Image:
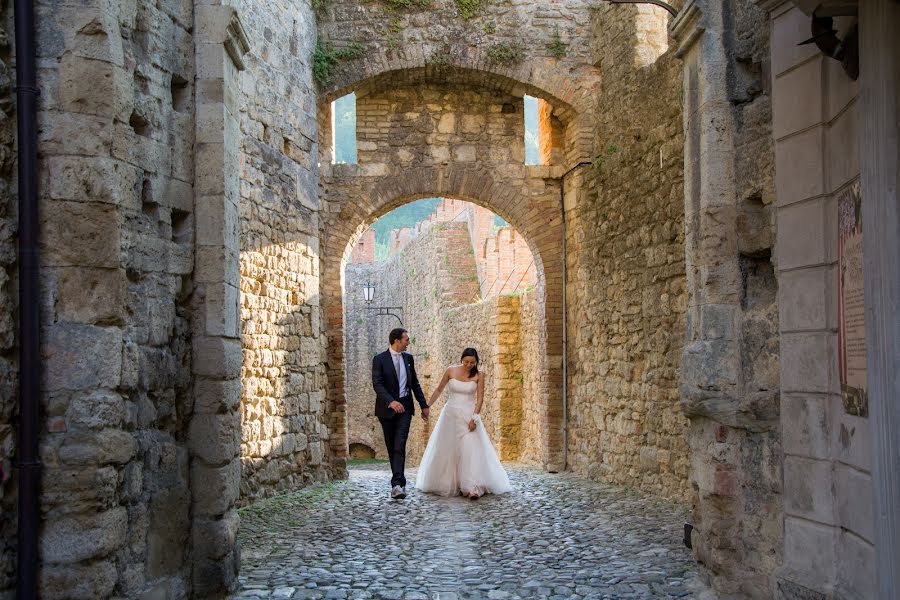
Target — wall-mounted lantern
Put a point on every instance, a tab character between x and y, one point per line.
842	46
382	311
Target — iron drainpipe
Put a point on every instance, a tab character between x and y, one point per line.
565	321
28	464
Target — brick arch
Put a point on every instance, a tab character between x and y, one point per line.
539	222
569	90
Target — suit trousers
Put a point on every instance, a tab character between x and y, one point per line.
396	432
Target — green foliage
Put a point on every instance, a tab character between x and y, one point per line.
468	8
318	4
556	46
490	28
598	161
358	462
438	58
326	58
405	216
407	4
505	53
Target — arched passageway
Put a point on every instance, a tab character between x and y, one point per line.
480	190
455	276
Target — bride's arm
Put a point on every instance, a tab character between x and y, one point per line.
440	388
479	399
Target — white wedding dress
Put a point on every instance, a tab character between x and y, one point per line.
457	460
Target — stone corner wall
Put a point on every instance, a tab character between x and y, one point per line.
116	257
730	382
285	438
8	303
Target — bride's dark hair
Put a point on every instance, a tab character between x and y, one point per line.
471	352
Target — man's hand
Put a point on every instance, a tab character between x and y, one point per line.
397	407
425	412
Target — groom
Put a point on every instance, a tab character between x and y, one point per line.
394	379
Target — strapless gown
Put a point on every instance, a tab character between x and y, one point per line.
457	460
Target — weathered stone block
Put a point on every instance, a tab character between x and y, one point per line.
215	396
806	418
78	582
93	296
168	532
82	234
215	538
799	536
808	489
217	357
215	438
96	409
95	87
79	538
110	446
82	357
215	489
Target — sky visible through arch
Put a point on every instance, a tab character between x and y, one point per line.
408	215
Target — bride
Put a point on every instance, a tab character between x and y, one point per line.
459	457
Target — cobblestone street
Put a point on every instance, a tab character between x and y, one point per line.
554	536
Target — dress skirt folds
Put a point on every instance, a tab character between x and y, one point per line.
457	460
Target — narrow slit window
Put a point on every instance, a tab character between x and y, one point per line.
343	129
532	132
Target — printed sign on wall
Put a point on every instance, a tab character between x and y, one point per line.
851	303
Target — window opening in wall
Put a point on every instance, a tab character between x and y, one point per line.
343	130
532	132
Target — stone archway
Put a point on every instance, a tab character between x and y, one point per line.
540	223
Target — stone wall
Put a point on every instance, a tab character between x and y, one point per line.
434	280
284	436
828	490
428	73
117	227
730	386
627	281
8	303
534	374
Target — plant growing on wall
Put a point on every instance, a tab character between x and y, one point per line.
505	53
556	46
326	58
598	161
407	4
468	8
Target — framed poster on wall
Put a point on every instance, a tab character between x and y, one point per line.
851	303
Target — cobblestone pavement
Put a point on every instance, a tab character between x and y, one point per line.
554	536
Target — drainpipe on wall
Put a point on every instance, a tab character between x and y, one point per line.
565	321
28	464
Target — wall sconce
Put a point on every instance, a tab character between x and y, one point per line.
825	36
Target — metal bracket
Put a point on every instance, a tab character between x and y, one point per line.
387	311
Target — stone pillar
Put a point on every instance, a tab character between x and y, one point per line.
729	383
880	159
214	436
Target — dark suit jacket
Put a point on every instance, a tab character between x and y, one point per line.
387	386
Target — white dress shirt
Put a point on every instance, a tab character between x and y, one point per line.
400	367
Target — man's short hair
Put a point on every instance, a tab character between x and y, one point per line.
396	334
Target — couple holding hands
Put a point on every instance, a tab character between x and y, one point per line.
459	457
